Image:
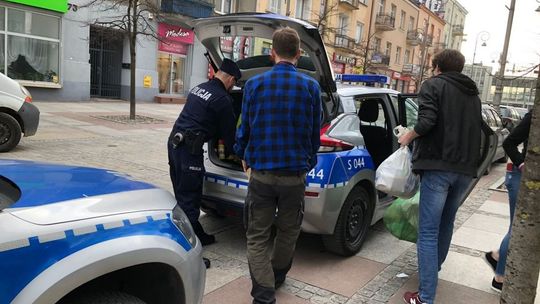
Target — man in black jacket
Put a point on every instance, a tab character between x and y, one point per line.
446	154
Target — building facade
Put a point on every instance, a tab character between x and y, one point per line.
482	75
64	50
454	14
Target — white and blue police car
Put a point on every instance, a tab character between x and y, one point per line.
84	235
341	201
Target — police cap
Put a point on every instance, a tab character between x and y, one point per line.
230	67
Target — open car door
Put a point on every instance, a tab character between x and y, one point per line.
407	106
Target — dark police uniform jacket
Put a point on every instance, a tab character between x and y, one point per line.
209	109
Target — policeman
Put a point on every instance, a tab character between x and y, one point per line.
207	114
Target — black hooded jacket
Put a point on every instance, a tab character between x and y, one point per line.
449	125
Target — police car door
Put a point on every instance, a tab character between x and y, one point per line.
407	112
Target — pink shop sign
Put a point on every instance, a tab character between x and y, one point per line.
174	39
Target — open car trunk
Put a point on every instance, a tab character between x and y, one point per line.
330	111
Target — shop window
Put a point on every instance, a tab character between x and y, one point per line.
30	48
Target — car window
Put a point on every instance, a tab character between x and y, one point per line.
381	117
251	52
488	117
411	110
348	124
498	121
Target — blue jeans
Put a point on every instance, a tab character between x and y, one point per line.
440	198
512	182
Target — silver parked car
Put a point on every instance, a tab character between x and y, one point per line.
341	201
18	115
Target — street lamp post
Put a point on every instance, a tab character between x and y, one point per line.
484	36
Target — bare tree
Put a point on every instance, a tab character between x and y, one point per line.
133	19
523	263
322	19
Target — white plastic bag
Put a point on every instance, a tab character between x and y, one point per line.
395	176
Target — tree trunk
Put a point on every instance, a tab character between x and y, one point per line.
523	262
133	56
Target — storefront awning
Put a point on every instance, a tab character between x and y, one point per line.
51	5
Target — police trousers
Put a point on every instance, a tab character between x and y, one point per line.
272	200
187	174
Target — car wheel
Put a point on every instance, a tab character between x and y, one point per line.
107	297
352	225
10	132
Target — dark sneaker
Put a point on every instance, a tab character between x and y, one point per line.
488	257
496	285
205	238
412	298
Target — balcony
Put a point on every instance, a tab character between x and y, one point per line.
350	4
385	22
379	59
414	37
191	8
344	42
457	30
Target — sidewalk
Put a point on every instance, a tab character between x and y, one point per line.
77	133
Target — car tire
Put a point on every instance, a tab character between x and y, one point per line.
107	297
10	132
352	225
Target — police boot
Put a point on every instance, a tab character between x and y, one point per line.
206	239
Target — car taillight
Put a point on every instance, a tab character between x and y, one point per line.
329	144
28	99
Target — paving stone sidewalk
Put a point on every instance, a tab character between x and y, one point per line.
77	133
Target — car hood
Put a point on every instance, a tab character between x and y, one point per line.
11	87
209	30
51	193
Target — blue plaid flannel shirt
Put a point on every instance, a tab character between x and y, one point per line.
280	120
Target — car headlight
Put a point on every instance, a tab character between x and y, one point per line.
182	222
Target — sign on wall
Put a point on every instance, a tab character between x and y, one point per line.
52	5
174	39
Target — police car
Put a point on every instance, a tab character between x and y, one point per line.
84	235
341	201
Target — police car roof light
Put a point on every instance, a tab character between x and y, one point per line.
367	78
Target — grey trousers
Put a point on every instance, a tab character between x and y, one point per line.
279	200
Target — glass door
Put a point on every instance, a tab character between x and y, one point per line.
171	73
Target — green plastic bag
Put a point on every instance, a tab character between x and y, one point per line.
401	218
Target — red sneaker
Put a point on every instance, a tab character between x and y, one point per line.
412	298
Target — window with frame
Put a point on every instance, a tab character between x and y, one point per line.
303	9
393	10
402	20
29	45
363	2
411	25
223	6
359	32
406	57
343	24
275	6
380	7
377	43
388	50
398	54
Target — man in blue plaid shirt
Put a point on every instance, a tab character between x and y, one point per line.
278	140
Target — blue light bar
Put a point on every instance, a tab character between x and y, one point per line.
368	78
